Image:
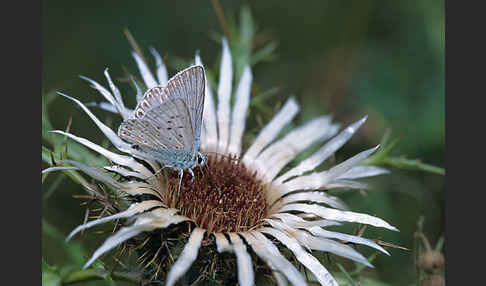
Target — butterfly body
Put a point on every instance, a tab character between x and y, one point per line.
177	160
166	124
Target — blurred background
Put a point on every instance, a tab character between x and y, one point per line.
384	59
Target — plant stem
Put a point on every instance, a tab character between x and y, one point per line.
221	18
99	274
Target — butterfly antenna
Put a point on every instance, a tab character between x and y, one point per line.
155	174
226	156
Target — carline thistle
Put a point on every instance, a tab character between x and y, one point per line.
262	212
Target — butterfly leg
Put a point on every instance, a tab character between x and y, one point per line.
181	173
192	174
203	161
201	169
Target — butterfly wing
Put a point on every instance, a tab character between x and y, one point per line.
164	131
187	85
154	97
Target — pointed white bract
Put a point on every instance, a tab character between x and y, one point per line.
131	211
53	169
118	99
298	210
209	136
139	94
187	257
240	109
160	219
114	157
103	106
276	156
246	275
271	130
222	244
319	181
363	172
309	261
334	214
106	94
298	222
269	253
224	97
130	187
114	139
162	75
317	231
147	76
318	197
124	172
317	243
345	184
323	153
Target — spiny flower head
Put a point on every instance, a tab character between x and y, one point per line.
242	202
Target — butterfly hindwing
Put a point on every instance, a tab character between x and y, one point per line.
166	127
152	98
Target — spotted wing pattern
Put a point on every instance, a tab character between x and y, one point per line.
165	132
189	85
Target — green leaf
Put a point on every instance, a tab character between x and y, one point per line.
346	274
61	143
382	157
385	149
72	174
247	28
53	187
74	250
360	267
439	244
413	164
360	280
50	275
264	54
372	282
98	272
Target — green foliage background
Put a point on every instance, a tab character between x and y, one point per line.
345	58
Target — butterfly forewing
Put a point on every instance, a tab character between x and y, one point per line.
189	84
167	126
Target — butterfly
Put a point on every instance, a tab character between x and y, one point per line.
166	123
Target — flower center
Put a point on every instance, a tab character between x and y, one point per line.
224	196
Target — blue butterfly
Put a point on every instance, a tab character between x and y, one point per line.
166	124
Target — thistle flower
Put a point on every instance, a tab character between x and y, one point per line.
242	202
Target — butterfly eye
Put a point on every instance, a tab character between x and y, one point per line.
201	159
